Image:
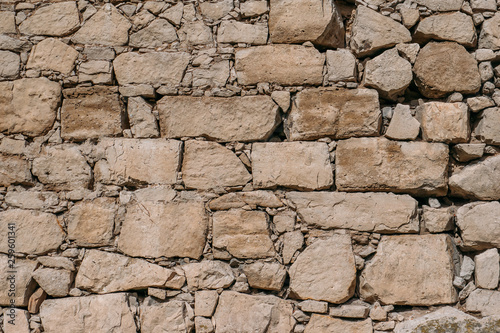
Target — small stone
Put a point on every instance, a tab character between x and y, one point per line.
9	65
441	6
292	242
238	32
265	275
282	98
403	126
14	170
321	323
486	302
203	325
55	282
459	282
175	315
465	152
438	219
57	262
350	311
479	103
456	27
253	8
57	19
313	306
487	269
483	5
378	313
487	128
341	65
174	13
142	120
284	221
52	54
479	180
156	34
216	10
208	275
7	22
145	90
205	302
157	293
36	300
467	268
410	16
444	122
408	51
241	199
215	76
195	33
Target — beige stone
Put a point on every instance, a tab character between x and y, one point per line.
282	64
479	225
216	10
403	126
370	164
23	281
373	212
195	33
45	201
239	32
249	118
341	65
489	38
477	181
311	20
443	68
265	275
300	165
326	324
14	44
58	19
444	122
12	146
205	302
141	118
325	271
9	65
208	274
14	170
411	270
438	219
241	199
208	165
409	51
487	272
57	262
334	113
456	27
441	6
203	325
244	234
156	34
7	22
465	152
55	282
350	311
409	16
253	8
313	306
173	316
174	13
15	321
487	128
52	54
486	302
215	75
292	242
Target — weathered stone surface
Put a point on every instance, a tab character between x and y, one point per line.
253	8
107	27
62	167
14	170
52	54
480	180
7	22
172	229
292	241
290	164
313	306
282	64
195	33
403	126
241	199
411	270
246	313
239	32
88	314
487	128
208	275
24	283
173	316
465	152
326	324
203	325
372	31
441	6
55	282
487	302
208	165
14	44
20	324
142	120
154	35
215	75
389	74
489	38
444	122
456	27
216	10
244	234
265	275
438	219
479	225
9	65
483	5
250	118
57	262
45	201
341	65
442	68
138	161
350	311
335	113
152	68
487	269
374	212
58	19
370	164
205	302
36	232
28	106
325	271
310	20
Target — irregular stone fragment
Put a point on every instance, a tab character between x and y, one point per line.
45	201
106	27
409	16
154	35
58	19
142	120
203	325
173	316
138	161
465	152
14	170
241	199
54	55
442	6
325	324
36	232
292	242
55	282
299	165
208	165
239	32
314	306
23	281
325	271
487	269
244	234
247	313
479	225
487	128
311	20
369	164
11	146
443	68
373	212
489	38
438	219
195	33
403	126
350	311
372	31
284	221
287	65
9	65
341	65
28	106
215	76
208	275
456	27
174	13
479	103
265	275
249	118
205	302
487	302
14	44
253	8
97	71
483	5
411	270
7	22
15	321
444	122
57	262
335	113
282	98
479	180
152	68
66	314
216	10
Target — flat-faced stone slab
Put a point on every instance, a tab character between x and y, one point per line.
479	224
53	55
489	38
444	122
23	280
456	27
241	199
208	274
487	129
58	19
171	316
486	302
14	170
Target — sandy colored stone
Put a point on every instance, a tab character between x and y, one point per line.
441	6
438	219
216	10
28	106
24	283
316	21
173	316
239	32
373	212
313	306
487	129
15	321
489	38
106	27
327	324
243	234
142	120
486	302
292	242
58	19
265	275
88	314
208	274
479	225
456	27
479	180
443	68
350	311
45	201
411	270
195	33
465	152
249	118
57	262
253	8
282	64
150	68
444	122
174	13
9	65
370	164
138	161
487	269
241	199
156	34
14	44
403	125
409	16
205	302
7	22
55	282
299	165
208	165
52	54
215	75
14	170
325	271
334	113
341	65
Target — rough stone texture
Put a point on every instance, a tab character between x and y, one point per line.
403	126
216	10
372	31
486	302
341	65
350	311
444	122
251	118
142	120
438	219
19	325
25	285
465	152
265	275
487	271
310	20
45	201
205	302
443	68
325	271
374	212
58	19
456	27
282	64
325	324
238	32
480	180
486	129
489	38
371	164
313	306
241	199
52	54
253	8
7	23
28	106
173	316
479	225
291	165
9	65
215	76
292	241
441	6
208	275
335	113
55	282
154	35
411	270
14	170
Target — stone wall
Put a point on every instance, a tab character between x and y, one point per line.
249	166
